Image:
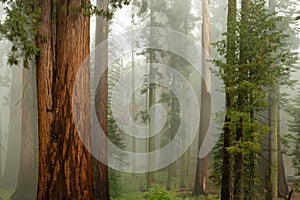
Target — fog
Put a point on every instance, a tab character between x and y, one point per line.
18	108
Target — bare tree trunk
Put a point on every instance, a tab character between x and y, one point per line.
12	163
283	189
202	163
26	187
227	169
1	150
172	166
150	175
133	105
169	177
273	145
65	166
100	170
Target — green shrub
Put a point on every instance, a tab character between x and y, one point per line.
157	193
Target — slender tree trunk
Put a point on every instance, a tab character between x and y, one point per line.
100	170
184	159
1	149
202	163
273	145
239	162
65	166
274	138
133	104
150	175
239	168
227	169
26	187
188	155
283	189
12	163
183	170
169	177
250	189
172	166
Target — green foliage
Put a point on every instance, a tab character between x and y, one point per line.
294	137
173	117
22	24
89	9
114	136
260	59
5	193
114	185
216	174
20	27
209	197
157	193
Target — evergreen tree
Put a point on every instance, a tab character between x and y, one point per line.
257	55
294	136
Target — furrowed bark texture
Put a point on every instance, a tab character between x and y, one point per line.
64	163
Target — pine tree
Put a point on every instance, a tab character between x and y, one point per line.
257	56
294	136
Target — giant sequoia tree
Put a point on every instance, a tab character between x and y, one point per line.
26	185
56	33
64	163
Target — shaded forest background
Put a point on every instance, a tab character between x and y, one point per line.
27	174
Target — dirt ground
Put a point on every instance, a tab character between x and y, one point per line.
296	196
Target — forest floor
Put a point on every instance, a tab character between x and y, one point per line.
296	196
5	193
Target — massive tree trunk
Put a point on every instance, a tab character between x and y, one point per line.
14	138
100	170
64	163
26	187
202	163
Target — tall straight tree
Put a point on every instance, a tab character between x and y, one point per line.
259	61
57	34
202	163
64	163
226	191
242	98
26	185
277	181
273	134
151	141
1	149
100	170
12	163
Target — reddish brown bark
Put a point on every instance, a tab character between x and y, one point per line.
100	170
202	164
64	163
